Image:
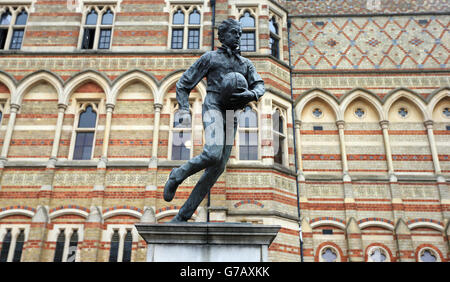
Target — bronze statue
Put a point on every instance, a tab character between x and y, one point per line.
232	82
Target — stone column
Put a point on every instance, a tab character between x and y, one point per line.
298	146
109	111
341	125
157	107
14	108
434	154
387	146
59	123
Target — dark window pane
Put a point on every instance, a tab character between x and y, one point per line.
248	41
248	118
127	247
177	123
178	17
179	149
88	38
22	18
19	246
194	17
59	248
273	26
194	38
247	20
73	246
274	47
105	39
87	118
114	250
5	246
3	34
248	146
16	40
177	39
278	142
108	18
83	146
6	18
91	18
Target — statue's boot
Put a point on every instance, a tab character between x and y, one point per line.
171	186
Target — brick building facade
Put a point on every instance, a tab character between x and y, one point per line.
348	150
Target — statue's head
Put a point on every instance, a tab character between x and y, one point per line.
230	32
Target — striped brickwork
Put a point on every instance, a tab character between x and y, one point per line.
372	162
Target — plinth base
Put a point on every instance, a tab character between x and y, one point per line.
207	242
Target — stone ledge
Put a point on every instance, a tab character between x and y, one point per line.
208	233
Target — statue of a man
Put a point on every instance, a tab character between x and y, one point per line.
214	65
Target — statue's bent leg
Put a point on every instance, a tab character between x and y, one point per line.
213	118
205	183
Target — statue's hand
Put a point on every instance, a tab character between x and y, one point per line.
242	97
184	118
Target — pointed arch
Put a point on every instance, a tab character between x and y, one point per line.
436	97
310	94
366	95
170	80
79	79
9	81
28	81
131	76
410	95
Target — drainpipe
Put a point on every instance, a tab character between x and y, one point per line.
295	146
212	3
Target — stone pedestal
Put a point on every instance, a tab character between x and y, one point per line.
207	242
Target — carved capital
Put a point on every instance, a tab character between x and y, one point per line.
384	124
340	124
157	106
62	107
110	106
428	124
298	123
14	107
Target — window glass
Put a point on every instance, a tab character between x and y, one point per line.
87	118
177	39
193	38
428	256
127	247
16	40
378	255
91	18
73	246
329	255
105	39
194	17
178	17
59	248
22	18
5	246
83	146
248	43
107	18
5	18
247	20
114	250
19	246
180	148
248	118
273	26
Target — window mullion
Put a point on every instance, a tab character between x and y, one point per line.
12	246
122	234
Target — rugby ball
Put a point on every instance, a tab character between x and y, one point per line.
232	82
